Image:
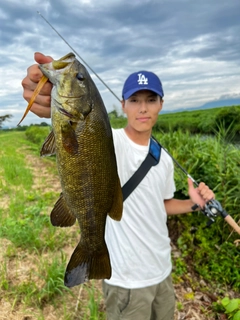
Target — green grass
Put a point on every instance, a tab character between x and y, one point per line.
33	261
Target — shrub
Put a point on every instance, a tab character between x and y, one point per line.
37	134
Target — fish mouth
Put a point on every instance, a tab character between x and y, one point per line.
65	113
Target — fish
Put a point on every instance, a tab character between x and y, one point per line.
81	139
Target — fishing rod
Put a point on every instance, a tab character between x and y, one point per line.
212	208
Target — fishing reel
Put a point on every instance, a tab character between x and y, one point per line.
212	209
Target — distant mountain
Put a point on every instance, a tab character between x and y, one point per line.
209	105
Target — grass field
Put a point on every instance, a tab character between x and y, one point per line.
34	254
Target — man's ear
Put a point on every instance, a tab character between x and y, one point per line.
123	105
161	102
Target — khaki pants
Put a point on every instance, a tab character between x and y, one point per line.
151	303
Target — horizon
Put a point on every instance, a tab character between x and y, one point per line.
201	108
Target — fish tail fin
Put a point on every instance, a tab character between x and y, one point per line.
84	266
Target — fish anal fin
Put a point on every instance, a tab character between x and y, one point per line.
85	265
49	146
117	206
61	216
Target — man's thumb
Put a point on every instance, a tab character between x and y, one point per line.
41	58
190	183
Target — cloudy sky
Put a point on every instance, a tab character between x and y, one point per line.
192	45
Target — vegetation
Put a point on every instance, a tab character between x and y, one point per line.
210	250
34	254
37	134
200	121
232	308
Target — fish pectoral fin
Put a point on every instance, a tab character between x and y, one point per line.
49	146
69	138
117	206
61	216
85	265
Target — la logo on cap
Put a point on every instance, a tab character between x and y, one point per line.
142	79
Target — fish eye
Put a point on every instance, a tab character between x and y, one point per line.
80	76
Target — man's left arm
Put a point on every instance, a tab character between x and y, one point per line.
198	196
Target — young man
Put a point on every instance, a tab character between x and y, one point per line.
141	286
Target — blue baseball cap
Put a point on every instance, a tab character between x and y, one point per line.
142	80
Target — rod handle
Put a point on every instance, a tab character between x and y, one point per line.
232	223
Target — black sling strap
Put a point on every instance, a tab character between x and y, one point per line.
152	159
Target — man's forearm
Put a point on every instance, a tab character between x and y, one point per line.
176	206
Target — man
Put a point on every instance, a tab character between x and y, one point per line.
141	286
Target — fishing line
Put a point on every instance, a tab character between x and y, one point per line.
213	208
78	55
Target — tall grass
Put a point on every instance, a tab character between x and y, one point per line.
214	161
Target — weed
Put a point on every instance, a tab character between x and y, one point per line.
180	306
179	266
231	307
52	272
4	285
92	310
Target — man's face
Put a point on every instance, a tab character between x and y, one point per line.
142	110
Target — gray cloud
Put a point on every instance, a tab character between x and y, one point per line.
192	45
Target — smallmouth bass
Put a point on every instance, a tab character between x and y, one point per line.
81	138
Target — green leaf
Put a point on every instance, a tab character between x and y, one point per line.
233	305
237	316
225	301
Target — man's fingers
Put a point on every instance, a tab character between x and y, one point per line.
30	86
40	111
41	58
206	193
41	98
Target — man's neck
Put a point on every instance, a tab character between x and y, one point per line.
141	138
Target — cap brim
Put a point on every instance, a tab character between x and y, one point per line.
128	94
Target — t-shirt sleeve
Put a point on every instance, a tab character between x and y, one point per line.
170	184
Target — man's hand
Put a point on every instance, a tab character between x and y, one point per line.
200	195
41	106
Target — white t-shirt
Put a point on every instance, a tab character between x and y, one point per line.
139	245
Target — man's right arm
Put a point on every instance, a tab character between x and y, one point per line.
41	106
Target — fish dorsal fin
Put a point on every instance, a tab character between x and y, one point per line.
117	206
61	216
49	146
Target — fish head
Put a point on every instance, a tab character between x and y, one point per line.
71	86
